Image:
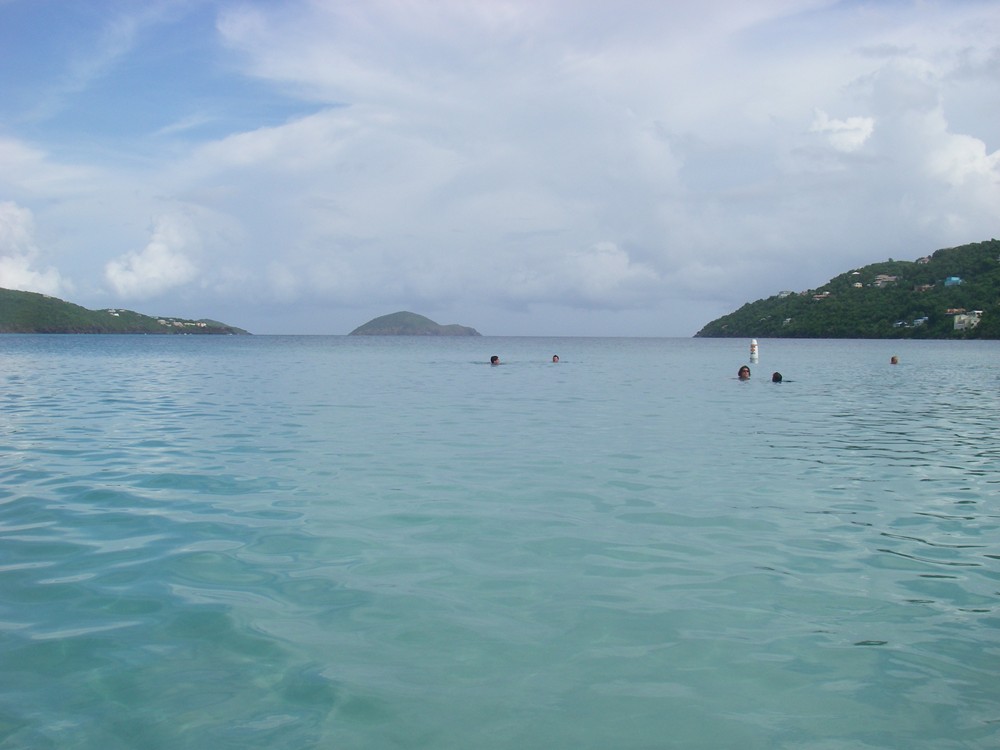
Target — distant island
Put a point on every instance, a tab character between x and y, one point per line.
30	312
410	324
952	294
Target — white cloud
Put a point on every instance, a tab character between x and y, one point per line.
161	266
29	171
520	153
19	255
518	156
961	159
844	135
602	275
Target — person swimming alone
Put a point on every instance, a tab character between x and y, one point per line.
744	373
494	360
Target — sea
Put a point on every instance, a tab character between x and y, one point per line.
344	542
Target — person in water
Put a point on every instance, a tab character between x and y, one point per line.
894	360
555	357
494	360
744	373
776	377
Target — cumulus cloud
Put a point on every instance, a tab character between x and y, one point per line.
601	275
471	150
844	135
161	266
19	255
937	173
522	155
960	159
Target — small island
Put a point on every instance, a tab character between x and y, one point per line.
31	312
410	324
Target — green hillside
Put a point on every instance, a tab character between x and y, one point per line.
30	312
952	294
410	324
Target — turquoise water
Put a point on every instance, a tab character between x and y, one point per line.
337	542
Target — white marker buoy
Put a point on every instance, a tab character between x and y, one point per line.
753	350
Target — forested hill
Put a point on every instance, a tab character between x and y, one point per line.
30	312
952	294
410	324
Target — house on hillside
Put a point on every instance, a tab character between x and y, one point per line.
965	321
952	281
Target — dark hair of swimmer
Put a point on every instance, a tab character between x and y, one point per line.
494	360
776	377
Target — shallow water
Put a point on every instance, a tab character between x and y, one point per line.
291	542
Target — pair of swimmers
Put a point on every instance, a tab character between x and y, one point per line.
744	371
744	374
495	360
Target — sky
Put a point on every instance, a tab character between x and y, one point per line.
524	167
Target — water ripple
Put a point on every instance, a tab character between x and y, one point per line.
291	543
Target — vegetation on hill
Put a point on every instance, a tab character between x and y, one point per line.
30	312
410	324
952	294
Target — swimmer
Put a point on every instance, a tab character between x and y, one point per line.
894	360
776	377
744	373
494	360
555	357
